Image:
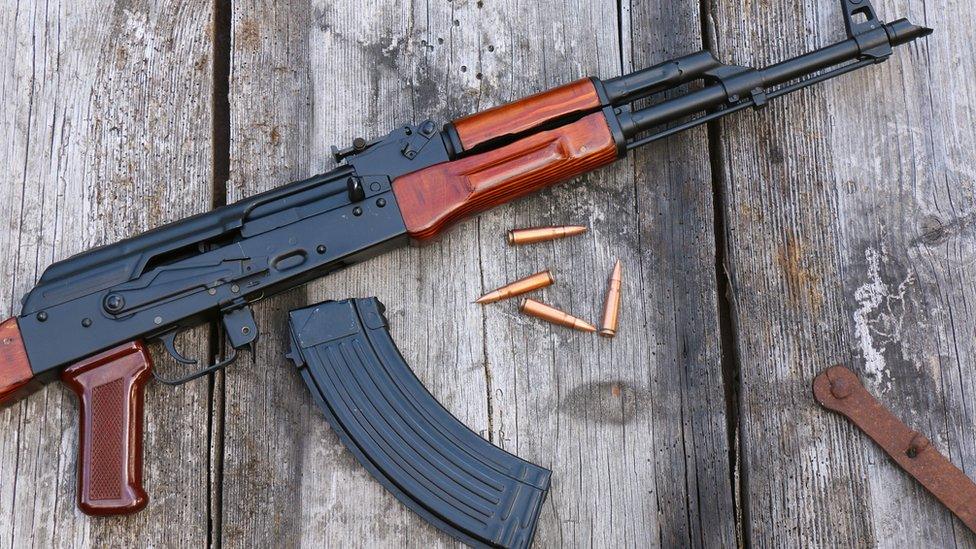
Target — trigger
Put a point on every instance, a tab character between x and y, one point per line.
169	342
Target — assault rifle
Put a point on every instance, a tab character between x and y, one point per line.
101	306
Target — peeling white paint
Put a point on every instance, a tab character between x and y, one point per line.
139	31
879	317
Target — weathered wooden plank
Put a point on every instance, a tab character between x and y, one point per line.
106	109
306	76
676	251
849	210
555	396
633	428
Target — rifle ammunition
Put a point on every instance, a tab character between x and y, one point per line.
532	307
519	287
611	307
541	234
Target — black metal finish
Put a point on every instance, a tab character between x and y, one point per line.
633	86
215	264
443	471
733	88
745	104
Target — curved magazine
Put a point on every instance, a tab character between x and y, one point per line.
430	461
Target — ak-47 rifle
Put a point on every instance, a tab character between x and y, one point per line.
102	305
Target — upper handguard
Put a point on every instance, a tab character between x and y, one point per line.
440	469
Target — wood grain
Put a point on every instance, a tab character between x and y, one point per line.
666	359
849	210
526	113
106	119
15	370
307	76
266	427
291	102
437	197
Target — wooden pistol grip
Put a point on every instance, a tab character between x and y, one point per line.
16	378
110	393
527	113
433	198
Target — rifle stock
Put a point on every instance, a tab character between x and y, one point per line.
16	377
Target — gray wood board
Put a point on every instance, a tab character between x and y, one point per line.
634	429
850	213
106	113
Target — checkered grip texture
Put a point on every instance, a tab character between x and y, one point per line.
110	386
107	450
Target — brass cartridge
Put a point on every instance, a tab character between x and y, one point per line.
550	314
519	287
611	307
541	234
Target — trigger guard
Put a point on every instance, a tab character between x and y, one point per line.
169	342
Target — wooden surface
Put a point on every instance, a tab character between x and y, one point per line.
835	226
106	113
849	216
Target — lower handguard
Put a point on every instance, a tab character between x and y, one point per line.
440	469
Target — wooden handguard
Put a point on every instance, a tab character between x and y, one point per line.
523	115
110	393
432	199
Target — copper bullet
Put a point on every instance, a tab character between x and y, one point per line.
540	234
550	314
611	307
519	287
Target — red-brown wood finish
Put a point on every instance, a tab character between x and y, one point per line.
433	198
110	393
16	377
525	114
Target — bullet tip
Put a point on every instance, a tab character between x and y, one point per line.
617	270
490	297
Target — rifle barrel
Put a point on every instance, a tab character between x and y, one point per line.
728	94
